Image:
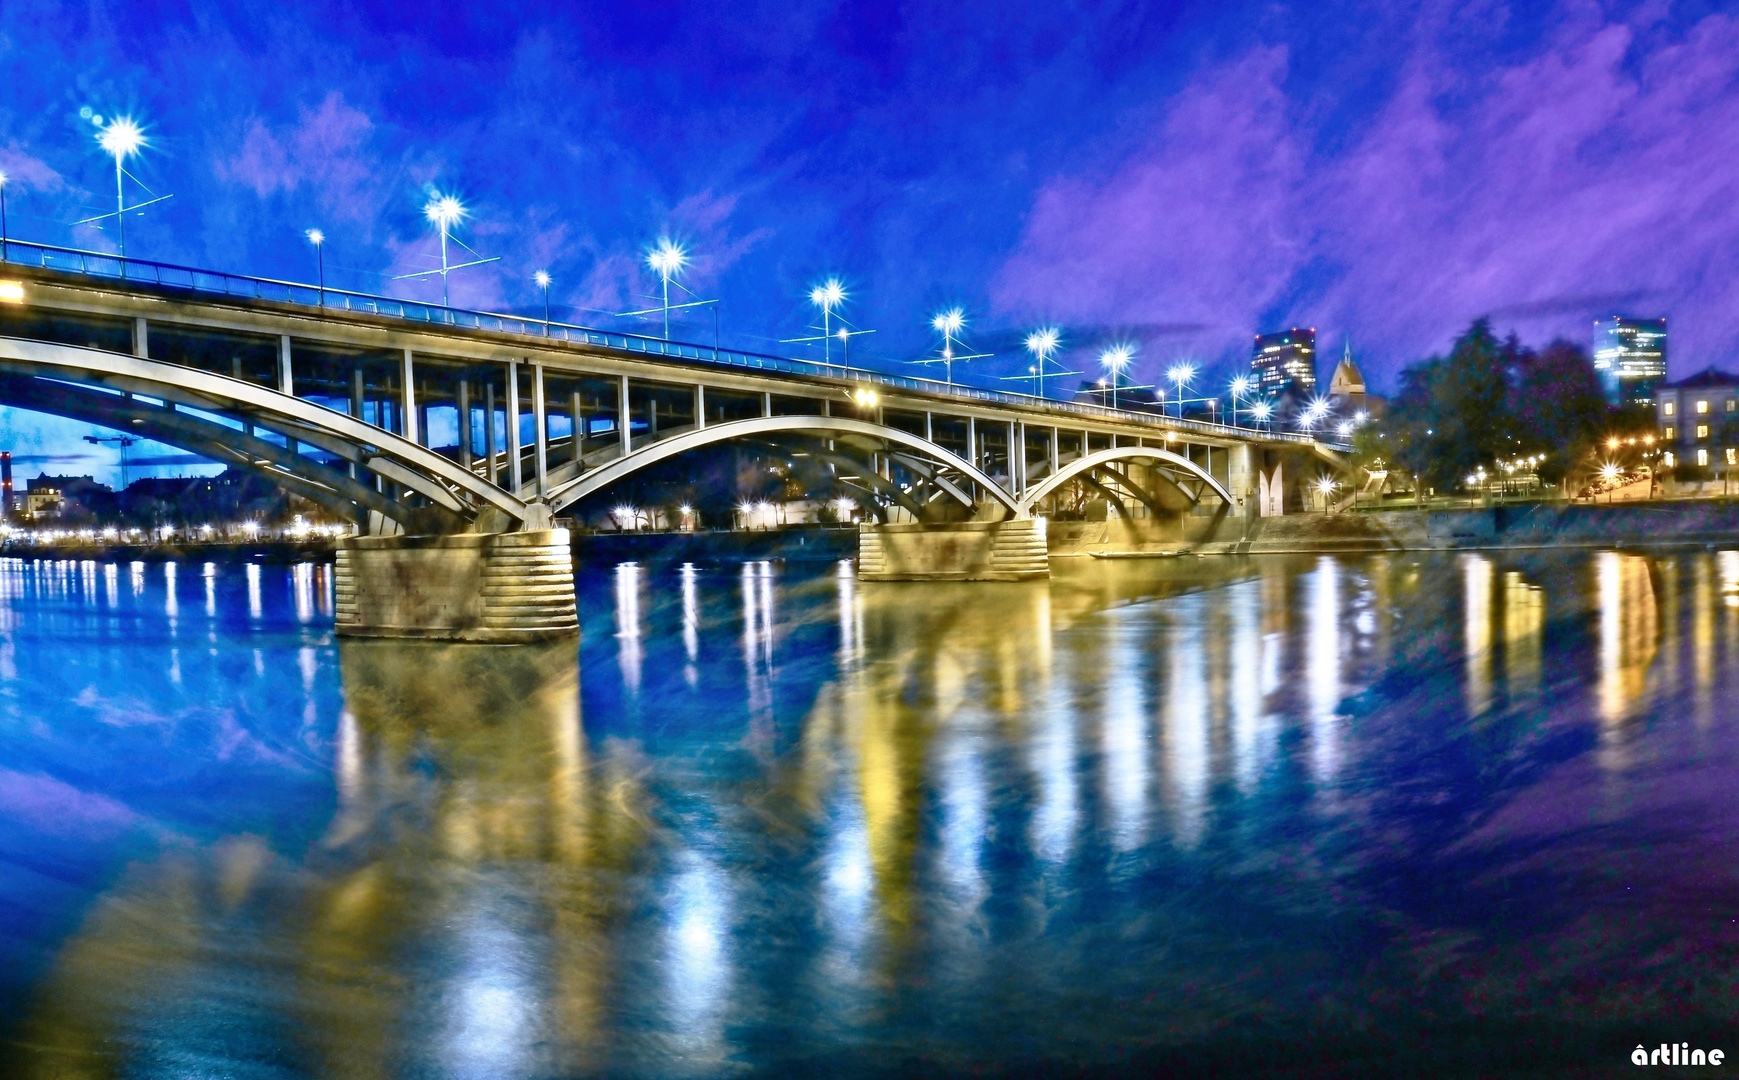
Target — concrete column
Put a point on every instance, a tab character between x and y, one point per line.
489	431
356	391
624	422
141	338
515	472
1056	450
767	403
410	425
540	457
929	428
699	406
465	423
286	377
1016	457
1241	478
972	441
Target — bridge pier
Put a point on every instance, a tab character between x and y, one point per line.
501	588
1012	550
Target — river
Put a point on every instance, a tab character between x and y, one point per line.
1405	814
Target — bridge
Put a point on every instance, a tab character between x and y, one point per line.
460	442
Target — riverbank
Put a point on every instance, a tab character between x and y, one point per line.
270	551
1540	525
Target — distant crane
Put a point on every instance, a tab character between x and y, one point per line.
123	441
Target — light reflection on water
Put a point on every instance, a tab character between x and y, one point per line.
776	815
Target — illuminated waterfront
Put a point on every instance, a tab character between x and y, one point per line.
1231	811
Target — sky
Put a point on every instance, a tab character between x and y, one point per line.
1176	175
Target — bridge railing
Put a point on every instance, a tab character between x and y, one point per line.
218	283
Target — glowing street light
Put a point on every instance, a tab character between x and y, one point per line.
444	212
542	279
120	137
949	323
1042	343
318	239
667	259
1115	360
827	296
1240	388
1180	375
1262	411
3	179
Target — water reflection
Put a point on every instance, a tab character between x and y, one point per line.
792	818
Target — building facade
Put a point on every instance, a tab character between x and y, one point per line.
1699	419
1283	358
1630	356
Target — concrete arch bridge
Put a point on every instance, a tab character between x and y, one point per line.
443	430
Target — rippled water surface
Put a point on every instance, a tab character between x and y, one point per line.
1462	814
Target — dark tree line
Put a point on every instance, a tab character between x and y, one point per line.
1493	399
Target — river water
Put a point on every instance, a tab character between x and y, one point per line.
1390	815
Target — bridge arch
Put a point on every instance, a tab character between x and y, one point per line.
620	468
164	401
1084	465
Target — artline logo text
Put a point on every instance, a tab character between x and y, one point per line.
1674	1054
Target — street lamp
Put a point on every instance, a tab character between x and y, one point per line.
1042	343
827	296
1180	376
948	323
668	259
120	138
1261	411
444	211
1115	359
318	239
3	179
1240	387
542	279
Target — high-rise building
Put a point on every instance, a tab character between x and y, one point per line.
1630	356
1282	358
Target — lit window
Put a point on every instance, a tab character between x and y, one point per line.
1671	431
1732	456
1702	457
1667	409
1702	431
1670	462
1732	404
1702	406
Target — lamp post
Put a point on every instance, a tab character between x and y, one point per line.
1240	387
827	296
1180	376
948	323
121	139
1041	343
318	239
668	259
444	211
1115	359
3	179
542	278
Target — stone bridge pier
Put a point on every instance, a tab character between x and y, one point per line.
504	588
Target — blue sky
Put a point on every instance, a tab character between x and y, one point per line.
1180	175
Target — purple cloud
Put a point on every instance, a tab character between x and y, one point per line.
1597	169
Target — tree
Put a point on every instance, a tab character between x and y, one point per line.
1453	413
1559	408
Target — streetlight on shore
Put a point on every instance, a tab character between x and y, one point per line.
1180	376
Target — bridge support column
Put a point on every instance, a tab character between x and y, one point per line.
1011	550
1241	482
488	587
